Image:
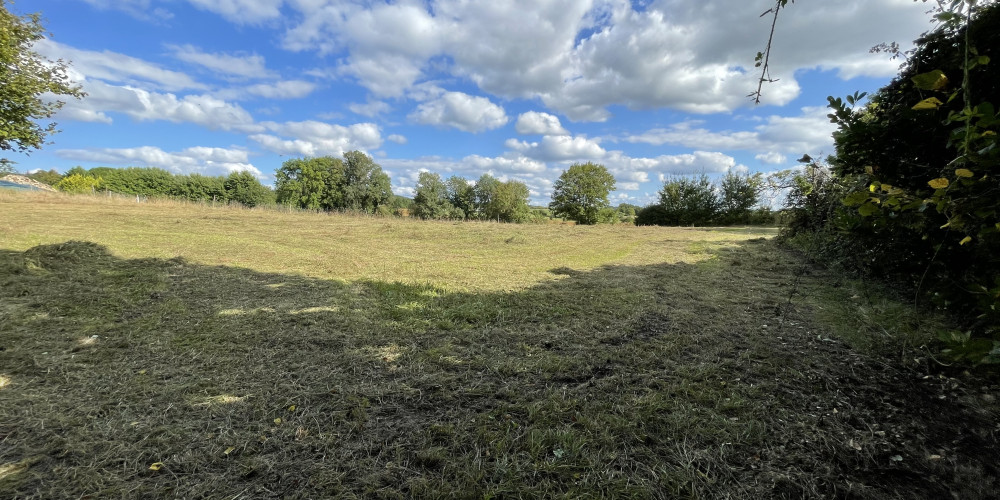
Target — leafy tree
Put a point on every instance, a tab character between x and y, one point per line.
25	76
311	183
510	202
582	192
78	184
689	201
739	194
483	194
431	200
243	188
6	167
461	194
365	186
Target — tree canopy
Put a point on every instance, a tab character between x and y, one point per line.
581	192
328	183
25	77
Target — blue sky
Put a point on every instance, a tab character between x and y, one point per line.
519	89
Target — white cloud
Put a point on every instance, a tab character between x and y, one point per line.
115	67
810	132
534	122
288	89
202	160
207	111
398	139
508	164
462	111
242	11
582	57
244	66
772	158
313	138
559	147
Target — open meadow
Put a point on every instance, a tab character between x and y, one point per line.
172	350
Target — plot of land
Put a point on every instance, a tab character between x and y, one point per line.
170	350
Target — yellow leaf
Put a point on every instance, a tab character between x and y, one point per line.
939	183
229	450
277	421
869	170
291	408
872	188
929	103
964	172
965	240
156	466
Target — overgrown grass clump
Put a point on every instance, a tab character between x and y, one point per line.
182	351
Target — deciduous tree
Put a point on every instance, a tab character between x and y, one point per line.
25	77
581	193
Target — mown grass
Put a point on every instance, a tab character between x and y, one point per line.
172	350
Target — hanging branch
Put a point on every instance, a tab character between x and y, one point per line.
763	58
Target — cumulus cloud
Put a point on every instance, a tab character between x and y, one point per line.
207	111
504	164
559	147
398	139
313	138
810	132
772	158
534	122
462	111
581	58
243	66
202	160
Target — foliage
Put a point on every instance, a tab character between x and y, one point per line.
626	213
310	183
50	177
581	193
26	76
6	167
365	187
738	195
461	194
651	215
78	184
244	188
431	200
689	201
916	171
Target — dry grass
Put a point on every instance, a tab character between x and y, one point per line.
187	351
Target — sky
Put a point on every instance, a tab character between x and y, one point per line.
520	89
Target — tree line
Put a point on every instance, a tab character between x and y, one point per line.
237	187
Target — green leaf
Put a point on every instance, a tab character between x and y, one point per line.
933	80
867	210
929	103
855	198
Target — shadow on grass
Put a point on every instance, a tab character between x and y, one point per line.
161	377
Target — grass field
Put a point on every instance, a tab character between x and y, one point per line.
170	350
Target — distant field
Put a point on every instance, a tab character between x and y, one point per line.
458	256
170	350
